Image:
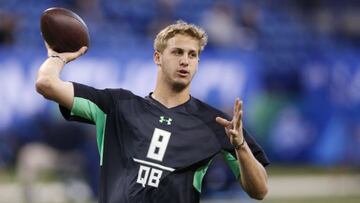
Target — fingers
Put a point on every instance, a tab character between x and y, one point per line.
238	114
226	124
80	52
66	56
74	55
233	128
223	121
235	106
83	50
238	120
240	105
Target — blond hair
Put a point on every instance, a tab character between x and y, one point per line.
180	27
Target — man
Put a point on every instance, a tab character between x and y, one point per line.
158	148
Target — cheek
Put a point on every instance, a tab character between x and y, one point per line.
167	67
195	66
168	61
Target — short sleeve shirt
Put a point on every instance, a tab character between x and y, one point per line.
150	153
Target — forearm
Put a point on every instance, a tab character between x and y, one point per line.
50	68
253	175
49	84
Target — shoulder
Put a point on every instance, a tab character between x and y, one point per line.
126	98
207	114
104	98
120	93
82	90
203	109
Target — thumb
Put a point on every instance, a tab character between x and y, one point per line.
75	55
223	121
81	51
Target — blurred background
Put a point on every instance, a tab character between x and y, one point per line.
295	64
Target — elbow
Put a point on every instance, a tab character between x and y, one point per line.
260	194
44	85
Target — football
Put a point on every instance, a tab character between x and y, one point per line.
63	30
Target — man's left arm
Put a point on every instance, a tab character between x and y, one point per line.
253	176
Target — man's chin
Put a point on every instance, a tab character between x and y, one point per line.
180	86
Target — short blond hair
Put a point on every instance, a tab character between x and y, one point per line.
180	27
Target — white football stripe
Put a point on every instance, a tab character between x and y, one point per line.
154	164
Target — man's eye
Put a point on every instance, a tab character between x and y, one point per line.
193	55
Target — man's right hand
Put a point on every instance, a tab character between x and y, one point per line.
66	57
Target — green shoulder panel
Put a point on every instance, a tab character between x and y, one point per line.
232	163
199	176
200	173
85	108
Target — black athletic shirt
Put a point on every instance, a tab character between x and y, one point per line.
150	153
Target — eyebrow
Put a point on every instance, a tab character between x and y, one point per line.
178	48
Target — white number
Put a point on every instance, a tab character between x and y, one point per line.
158	145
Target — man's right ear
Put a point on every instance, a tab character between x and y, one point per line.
157	56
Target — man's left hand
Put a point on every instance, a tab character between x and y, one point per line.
234	127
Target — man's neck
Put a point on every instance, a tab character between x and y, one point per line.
170	98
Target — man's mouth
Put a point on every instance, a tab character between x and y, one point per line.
183	72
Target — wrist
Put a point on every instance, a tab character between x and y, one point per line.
241	145
59	58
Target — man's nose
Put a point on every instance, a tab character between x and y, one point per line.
184	61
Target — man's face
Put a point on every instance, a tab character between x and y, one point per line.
179	60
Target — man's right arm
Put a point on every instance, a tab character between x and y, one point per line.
48	82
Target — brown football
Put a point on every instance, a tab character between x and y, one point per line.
64	30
